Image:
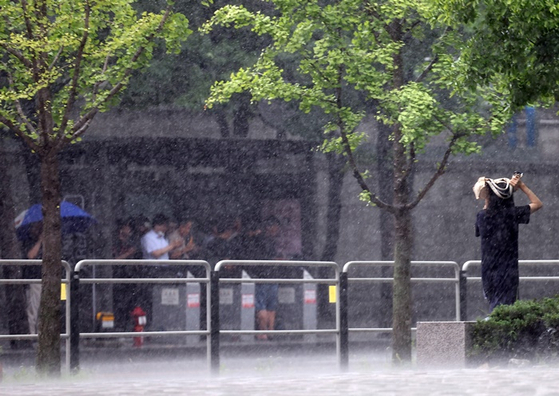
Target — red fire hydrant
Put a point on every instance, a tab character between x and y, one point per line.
139	318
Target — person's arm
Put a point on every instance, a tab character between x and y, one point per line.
160	252
535	203
33	253
127	254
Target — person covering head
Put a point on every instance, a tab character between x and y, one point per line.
497	225
501	187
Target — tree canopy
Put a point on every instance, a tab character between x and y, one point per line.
62	62
376	51
513	44
59	52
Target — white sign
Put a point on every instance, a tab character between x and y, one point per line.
170	296
226	296
310	296
248	300
286	295
193	300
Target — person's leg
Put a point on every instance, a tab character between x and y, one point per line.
271	305
33	301
262	320
260	307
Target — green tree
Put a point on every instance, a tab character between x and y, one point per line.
513	44
351	47
70	59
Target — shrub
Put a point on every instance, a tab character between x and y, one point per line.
528	329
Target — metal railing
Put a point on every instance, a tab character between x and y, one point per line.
75	335
213	279
345	280
65	281
468	264
216	280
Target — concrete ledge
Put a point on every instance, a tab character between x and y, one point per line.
443	344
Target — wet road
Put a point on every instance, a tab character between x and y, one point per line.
282	375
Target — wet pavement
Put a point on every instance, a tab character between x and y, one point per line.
281	374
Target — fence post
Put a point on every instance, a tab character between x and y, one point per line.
344	325
74	322
214	322
463	296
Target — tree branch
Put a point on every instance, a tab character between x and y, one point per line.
82	124
427	69
77	71
23	117
26	62
411	160
349	152
30	142
55	59
439	172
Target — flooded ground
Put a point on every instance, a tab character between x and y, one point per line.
293	375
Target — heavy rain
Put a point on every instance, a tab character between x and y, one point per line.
277	197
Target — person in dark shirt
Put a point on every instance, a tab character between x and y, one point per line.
126	296
497	225
259	243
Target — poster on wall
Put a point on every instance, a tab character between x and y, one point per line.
288	213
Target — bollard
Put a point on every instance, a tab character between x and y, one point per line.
344	323
214	322
309	308
463	284
74	323
192	309
247	307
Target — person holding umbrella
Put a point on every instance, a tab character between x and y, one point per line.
33	250
497	225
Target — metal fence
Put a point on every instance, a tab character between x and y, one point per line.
345	281
75	335
467	266
213	280
216	280
65	282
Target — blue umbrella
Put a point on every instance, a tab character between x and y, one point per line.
74	219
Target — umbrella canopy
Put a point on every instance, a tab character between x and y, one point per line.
74	219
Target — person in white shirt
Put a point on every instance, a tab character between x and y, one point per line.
155	245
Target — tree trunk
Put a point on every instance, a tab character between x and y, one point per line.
336	175
385	175
401	311
48	353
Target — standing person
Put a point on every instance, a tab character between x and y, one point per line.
497	225
264	247
125	295
33	250
187	248
155	245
